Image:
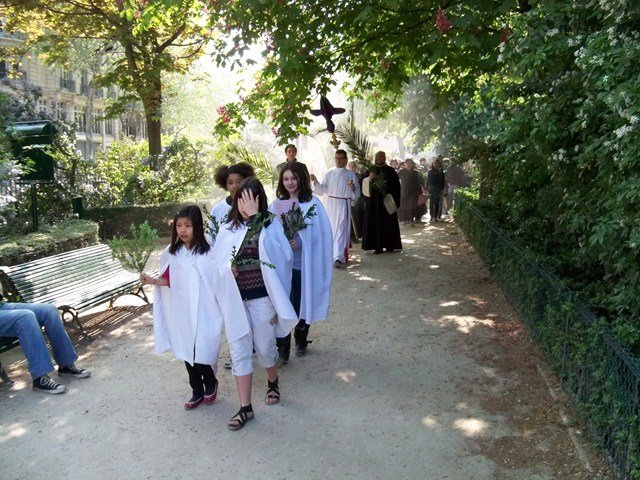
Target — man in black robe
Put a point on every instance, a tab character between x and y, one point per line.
380	229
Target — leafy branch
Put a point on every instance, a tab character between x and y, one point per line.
134	252
255	227
294	220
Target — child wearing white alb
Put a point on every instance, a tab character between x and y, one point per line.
186	317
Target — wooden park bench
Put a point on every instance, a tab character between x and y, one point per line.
74	281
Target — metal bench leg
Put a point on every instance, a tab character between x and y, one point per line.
5	377
141	293
138	293
75	319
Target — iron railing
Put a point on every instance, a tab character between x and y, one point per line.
600	374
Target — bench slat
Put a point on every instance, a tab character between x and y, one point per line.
80	279
35	287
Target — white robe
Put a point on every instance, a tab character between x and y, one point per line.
317	263
340	198
219	211
186	318
273	248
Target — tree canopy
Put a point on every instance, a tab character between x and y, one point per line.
143	38
382	45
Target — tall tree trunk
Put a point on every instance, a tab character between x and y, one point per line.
154	129
152	103
150	92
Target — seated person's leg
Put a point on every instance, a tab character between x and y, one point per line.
61	346
16	321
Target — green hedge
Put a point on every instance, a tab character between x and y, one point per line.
63	236
602	376
116	221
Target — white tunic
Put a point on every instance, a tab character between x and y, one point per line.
340	197
273	249
317	260
219	212
186	318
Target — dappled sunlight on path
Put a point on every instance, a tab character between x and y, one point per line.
423	371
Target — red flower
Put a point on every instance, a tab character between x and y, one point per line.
504	35
442	22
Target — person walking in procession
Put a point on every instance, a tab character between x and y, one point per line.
227	177
341	186
291	154
435	188
410	192
186	317
380	228
253	274
311	244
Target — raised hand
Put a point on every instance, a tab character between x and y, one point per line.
249	203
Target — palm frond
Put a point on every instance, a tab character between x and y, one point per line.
355	140
262	166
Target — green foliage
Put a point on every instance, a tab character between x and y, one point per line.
134	252
230	152
356	142
63	236
555	136
380	45
123	176
594	367
117	220
144	40
54	199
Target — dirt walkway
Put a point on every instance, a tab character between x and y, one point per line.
423	372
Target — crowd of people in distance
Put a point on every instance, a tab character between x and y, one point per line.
424	188
259	271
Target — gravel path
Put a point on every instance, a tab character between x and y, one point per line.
423	371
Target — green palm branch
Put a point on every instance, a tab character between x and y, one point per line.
262	166
356	141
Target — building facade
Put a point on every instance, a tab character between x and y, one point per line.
66	95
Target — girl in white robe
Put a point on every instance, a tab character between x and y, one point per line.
312	257
227	177
253	274
186	318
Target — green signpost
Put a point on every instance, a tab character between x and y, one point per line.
29	141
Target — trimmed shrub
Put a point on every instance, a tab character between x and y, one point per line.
116	221
62	237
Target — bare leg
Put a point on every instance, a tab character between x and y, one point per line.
272	373
243	383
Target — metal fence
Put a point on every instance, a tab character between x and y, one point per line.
599	373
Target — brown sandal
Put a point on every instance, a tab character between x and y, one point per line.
239	419
273	393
